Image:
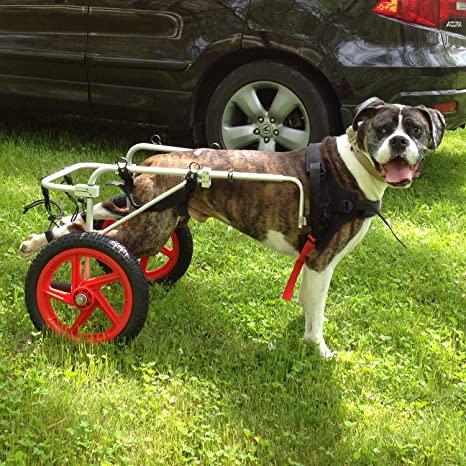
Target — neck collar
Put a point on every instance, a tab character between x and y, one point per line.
363	157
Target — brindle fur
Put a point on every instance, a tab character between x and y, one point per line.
228	201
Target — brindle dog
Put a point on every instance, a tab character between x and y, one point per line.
385	146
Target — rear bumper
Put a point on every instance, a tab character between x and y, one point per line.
454	120
458	96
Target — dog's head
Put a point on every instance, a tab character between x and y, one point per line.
397	137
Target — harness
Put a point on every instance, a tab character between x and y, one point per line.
178	199
331	207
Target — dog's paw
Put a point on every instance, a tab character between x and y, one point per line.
322	347
326	352
31	245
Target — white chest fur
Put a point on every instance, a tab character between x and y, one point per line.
372	187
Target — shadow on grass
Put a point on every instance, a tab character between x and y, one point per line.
81	130
281	390
273	386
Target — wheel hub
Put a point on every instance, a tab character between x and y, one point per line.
266	128
83	298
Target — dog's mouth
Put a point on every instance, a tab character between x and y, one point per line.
398	172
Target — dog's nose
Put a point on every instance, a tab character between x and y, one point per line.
399	143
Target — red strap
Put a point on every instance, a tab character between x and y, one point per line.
308	247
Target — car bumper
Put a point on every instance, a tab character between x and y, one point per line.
457	97
456	119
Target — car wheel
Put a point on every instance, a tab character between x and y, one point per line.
266	106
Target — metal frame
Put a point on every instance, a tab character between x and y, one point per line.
91	190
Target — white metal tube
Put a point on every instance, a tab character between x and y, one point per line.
151	147
144	207
47	182
101	169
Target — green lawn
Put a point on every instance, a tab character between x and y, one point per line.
220	373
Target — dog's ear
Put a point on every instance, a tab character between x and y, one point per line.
437	125
366	110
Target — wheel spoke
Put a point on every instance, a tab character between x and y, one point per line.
249	103
58	295
283	103
76	272
82	318
267	146
291	138
103	280
107	308
236	137
168	252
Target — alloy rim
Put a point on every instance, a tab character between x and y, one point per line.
265	116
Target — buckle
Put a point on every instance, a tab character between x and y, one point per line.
347	206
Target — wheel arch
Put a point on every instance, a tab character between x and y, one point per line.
226	64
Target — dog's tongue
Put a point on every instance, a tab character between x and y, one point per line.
397	171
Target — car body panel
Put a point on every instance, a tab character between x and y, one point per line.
139	54
159	61
363	54
39	61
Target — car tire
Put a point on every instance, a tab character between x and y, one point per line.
266	105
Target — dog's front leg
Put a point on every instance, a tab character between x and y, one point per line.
312	297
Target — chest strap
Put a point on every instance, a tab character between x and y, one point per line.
331	204
179	199
331	207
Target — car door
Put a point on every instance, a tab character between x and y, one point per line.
140	52
42	45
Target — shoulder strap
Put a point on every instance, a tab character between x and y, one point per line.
315	169
331	204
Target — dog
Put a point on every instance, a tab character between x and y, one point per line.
385	146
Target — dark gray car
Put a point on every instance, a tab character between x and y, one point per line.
268	74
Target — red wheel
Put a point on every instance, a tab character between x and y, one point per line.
173	260
172	254
68	292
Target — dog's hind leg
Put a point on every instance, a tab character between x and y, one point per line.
106	210
312	297
146	234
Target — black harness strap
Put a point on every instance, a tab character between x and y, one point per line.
332	205
178	199
316	171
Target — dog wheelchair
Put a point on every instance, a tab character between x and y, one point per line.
87	286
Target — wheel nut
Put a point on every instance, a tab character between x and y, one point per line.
266	140
256	131
81	299
276	132
261	119
272	120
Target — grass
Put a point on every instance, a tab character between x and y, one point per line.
220	374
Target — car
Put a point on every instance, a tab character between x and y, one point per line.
256	74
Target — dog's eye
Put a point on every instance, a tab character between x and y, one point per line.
417	131
382	130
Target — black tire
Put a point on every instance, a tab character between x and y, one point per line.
186	247
223	111
111	306
184	243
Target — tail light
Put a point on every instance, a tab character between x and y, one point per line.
434	13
